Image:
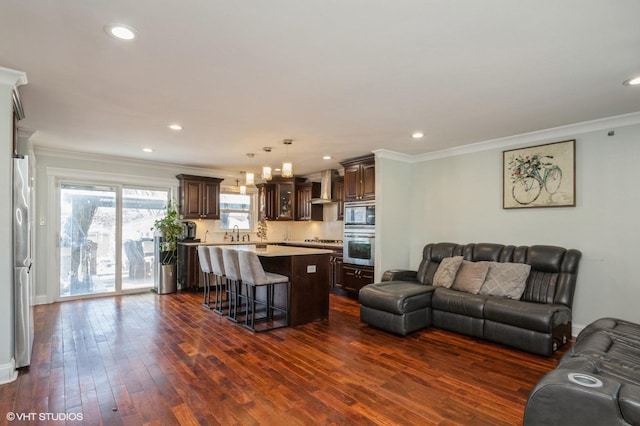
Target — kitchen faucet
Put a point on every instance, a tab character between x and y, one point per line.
236	229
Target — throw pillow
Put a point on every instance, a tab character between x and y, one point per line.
446	272
506	280
470	276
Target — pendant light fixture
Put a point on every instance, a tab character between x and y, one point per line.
287	165
266	169
243	188
249	177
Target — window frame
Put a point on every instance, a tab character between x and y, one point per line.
251	211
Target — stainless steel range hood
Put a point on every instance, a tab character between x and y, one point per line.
326	183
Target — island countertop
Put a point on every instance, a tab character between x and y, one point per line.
278	251
311	244
308	270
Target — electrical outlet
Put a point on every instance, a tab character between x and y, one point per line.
311	269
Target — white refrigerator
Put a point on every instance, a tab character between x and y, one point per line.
23	334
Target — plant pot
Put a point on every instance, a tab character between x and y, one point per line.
168	279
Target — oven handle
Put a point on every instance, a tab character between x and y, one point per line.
359	236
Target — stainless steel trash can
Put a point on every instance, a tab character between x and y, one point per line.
167	279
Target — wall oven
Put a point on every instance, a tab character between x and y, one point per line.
359	246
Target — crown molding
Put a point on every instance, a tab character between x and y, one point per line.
561	132
394	155
12	78
154	165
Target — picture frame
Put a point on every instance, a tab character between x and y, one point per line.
539	176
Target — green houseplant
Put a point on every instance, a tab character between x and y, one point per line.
170	229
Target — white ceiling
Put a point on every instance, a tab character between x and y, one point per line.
339	77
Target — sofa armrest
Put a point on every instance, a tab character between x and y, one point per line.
557	400
629	400
400	275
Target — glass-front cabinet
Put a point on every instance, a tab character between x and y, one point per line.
278	198
286	193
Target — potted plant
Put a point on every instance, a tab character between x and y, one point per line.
170	229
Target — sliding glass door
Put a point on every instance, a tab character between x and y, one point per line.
106	238
140	209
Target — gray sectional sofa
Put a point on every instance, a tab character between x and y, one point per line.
597	381
533	315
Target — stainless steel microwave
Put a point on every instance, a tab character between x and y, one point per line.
360	214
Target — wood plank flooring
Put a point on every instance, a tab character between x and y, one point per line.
161	360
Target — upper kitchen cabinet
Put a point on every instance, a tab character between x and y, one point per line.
338	196
359	178
199	197
304	209
278	198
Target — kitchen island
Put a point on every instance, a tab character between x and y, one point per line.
308	270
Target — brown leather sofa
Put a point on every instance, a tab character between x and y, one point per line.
597	381
538	322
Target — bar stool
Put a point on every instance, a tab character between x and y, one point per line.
234	282
217	268
205	266
253	276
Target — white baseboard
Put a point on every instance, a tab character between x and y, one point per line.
8	372
576	329
41	300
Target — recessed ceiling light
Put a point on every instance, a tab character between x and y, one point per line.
121	32
417	135
635	81
326	157
175	126
147	149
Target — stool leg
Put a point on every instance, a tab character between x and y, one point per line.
206	301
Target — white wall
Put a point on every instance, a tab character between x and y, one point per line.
393	213
458	198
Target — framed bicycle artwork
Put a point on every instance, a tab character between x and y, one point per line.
539	176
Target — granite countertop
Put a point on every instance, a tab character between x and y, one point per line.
276	251
287	243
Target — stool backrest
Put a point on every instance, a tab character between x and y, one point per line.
205	262
217	262
251	268
231	265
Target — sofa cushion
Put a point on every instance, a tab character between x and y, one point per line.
446	272
458	302
541	317
470	276
506	280
397	297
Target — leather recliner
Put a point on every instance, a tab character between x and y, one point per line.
597	381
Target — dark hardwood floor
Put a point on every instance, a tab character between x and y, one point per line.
149	359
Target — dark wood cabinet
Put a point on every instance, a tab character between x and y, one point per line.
199	197
304	209
338	196
337	263
359	178
188	267
278	198
356	277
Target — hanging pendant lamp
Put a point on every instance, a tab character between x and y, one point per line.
287	165
266	169
249	177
